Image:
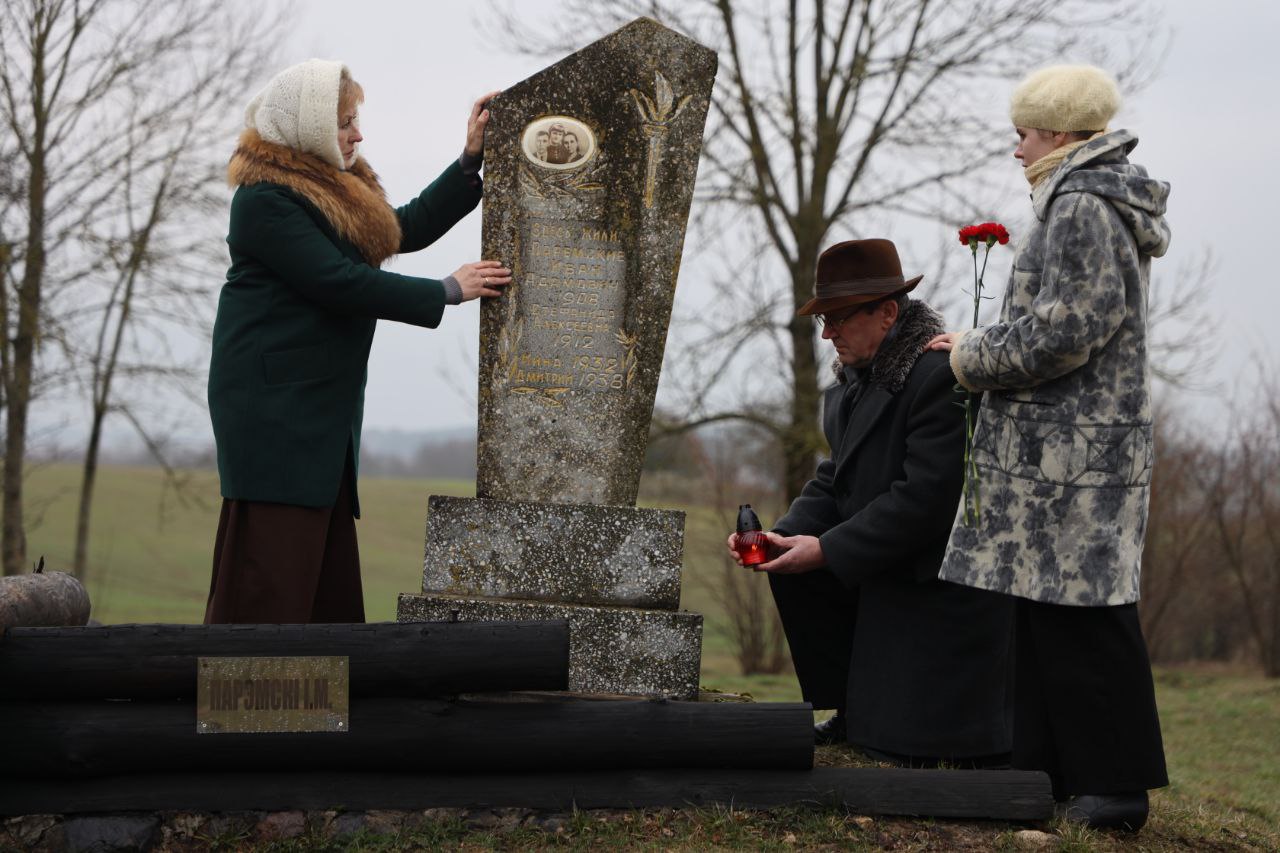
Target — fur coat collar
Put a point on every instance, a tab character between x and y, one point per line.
889	369
352	201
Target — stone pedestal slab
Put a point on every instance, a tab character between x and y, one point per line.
611	649
573	553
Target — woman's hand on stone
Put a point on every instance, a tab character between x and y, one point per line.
942	342
483	278
476	124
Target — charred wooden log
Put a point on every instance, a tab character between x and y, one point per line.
83	739
387	658
998	794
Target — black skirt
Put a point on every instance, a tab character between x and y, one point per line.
1085	705
277	563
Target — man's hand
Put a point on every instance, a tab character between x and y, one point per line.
733	548
732	542
794	555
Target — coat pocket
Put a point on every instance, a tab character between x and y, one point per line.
297	365
1031	397
1018	440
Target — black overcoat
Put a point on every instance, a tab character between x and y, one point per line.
928	661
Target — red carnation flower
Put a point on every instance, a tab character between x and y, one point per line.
987	234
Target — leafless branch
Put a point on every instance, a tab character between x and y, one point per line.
824	116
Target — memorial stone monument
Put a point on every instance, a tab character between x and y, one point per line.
589	173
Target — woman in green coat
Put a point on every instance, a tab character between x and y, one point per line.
310	228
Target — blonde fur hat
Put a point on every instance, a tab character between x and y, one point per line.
1065	98
299	109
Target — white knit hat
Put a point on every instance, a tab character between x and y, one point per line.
299	109
1065	98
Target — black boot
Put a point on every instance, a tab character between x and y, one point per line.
830	731
1107	811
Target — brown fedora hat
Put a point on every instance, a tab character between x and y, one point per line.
854	272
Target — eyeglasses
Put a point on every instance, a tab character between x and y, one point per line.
834	321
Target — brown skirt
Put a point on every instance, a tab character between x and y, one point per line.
277	563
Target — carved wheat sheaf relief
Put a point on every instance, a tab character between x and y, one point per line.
656	115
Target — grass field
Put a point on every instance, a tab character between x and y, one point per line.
151	548
150	562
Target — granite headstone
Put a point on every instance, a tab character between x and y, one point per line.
589	173
570	356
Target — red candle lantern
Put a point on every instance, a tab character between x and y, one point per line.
752	545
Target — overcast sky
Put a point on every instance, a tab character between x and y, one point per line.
1207	125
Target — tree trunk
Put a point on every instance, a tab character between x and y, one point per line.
88	478
13	535
1272	660
13	538
801	440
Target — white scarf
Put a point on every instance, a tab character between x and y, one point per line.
299	109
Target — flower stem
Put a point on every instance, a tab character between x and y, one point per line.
986	255
970	493
977	283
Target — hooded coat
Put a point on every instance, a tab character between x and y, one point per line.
928	666
1063	443
297	314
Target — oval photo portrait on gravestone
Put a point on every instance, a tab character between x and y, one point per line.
558	142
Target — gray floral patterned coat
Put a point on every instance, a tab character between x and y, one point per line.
1064	441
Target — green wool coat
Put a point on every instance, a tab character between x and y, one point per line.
291	341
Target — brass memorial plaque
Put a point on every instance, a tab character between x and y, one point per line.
273	694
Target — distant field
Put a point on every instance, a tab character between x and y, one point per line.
152	548
150	561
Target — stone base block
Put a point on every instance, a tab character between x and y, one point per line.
611	649
580	553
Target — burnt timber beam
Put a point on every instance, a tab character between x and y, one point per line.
994	794
387	658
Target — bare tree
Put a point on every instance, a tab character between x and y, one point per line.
1178	531
828	117
1183	343
755	630
112	106
1243	505
160	248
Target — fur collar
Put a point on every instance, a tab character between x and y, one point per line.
352	201
893	363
